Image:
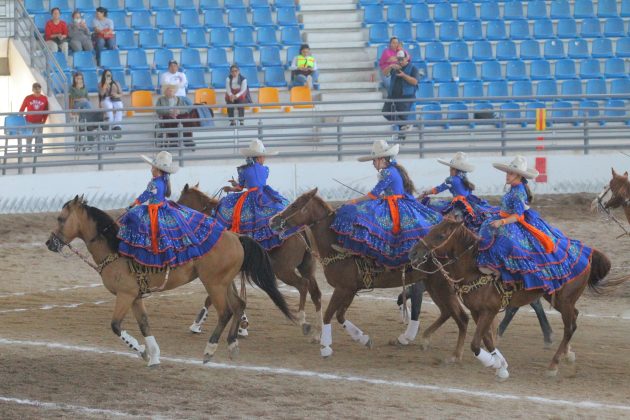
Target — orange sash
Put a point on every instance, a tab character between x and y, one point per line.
464	201
544	240
236	215
392	201
153	217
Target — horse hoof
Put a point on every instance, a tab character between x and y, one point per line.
315	339
426	345
195	329
233	351
369	343
207	358
398	342
570	356
306	328
502	374
451	360
242	332
326	351
551	373
548	345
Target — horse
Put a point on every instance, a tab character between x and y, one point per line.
293	256
615	195
216	270
348	274
454	248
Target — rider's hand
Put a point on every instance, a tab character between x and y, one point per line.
497	223
233	182
227	189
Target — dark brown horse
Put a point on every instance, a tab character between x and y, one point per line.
216	270
347	275
451	244
287	260
616	194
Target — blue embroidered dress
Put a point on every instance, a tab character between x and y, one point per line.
519	255
163	232
473	209
386	227
248	212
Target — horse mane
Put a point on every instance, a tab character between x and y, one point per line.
207	201
323	203
620	185
106	226
464	236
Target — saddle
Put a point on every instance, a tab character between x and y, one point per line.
142	276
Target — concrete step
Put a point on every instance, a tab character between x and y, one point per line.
349	95
312	2
326	17
339	45
318	7
327	35
331	65
349	85
346	76
334	55
357	25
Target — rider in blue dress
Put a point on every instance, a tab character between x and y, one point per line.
472	209
163	233
252	202
387	223
521	246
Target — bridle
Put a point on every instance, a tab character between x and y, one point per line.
604	207
282	220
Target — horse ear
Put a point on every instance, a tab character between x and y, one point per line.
625	174
312	192
186	187
197	185
75	199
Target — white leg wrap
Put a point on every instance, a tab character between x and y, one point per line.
488	360
404	313
153	349
498	354
130	341
412	330
302	317
326	338
352	330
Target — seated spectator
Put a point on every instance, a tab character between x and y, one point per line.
79	34
104	37
388	60
35	102
110	98
78	93
303	67
56	33
169	107
175	77
236	92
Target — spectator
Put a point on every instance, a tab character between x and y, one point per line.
79	34
56	33
78	93
104	37
303	67
169	108
404	82
175	77
110	98
388	60
33	103
236	92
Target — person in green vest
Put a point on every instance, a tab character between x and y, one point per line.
303	67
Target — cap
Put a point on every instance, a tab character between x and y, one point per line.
172	62
401	54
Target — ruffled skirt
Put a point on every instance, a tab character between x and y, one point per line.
474	211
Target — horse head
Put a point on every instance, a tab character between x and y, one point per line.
617	193
195	199
305	210
69	224
449	239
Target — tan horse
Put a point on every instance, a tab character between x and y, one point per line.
451	244
616	194
216	270
287	260
344	275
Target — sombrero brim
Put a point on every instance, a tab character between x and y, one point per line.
171	169
252	153
461	167
392	151
529	174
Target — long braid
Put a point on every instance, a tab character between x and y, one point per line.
167	178
530	196
464	176
407	182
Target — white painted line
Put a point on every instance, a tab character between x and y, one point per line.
63	406
22	245
62	289
594	405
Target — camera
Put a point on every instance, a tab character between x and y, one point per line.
396	71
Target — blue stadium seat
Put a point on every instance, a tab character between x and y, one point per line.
220	37
292	51
519	30
35	7
495	31
458	51
510	111
196	38
372	14
449	31
84	61
119	19
125	39
614	27
91	81
467	71
196	79
182	5
443	12
292	3
85	5
531	108
578	48
482	51
483	107
363	3
414	52
472	31
543	29
490	11
516	70
189	19
396	13
290	35
190	58
40	20
110	5
596	87
625	8
554	49
622	48
467	12
255	4
457	111
435	52
602	48
287	16
473	90
213	18
560	9
588	109
261	16
134	6
537	9
148	39
244	56
110	59
156	5
589	69
540	70
522	88
614	68
173	38
567	29
234	4
620	87
448	90
615	108
119	76
498	88
419	13
161	57
425	89
607	8
425	32
431	112
403	31
251	74
530	50
591	28
513	10
571	87
565	69
506	50
62	5
217	57
137	59
61	59
491	70
141	20
442	72
274	77
238	18
141	80
560	110
270	57
583	9
210	5
266	36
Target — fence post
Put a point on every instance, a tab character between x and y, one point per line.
260	129
420	126
503	129
586	133
339	143
99	140
180	143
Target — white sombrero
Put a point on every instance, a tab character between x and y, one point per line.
256	148
380	149
459	162
163	161
518	166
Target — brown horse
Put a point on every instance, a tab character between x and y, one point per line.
616	194
216	270
287	260
454	247
348	274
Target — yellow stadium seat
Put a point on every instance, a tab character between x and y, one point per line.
268	95
141	98
302	94
205	96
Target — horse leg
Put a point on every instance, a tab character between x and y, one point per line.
336	301
494	359
353	331
307	270
543	321
219	298
416	290
237	306
461	319
507	318
152	353
201	317
569	317
124	301
301	284
402	304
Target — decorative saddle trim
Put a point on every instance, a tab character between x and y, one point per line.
484	280
107	261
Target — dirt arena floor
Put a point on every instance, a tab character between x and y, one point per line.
59	358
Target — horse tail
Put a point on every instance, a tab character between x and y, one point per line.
600	266
257	270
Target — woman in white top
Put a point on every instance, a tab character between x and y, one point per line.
110	98
236	92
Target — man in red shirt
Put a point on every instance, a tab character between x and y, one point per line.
35	102
56	33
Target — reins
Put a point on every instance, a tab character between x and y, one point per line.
609	214
98	268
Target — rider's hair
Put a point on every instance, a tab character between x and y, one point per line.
464	176
167	178
407	182
528	191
